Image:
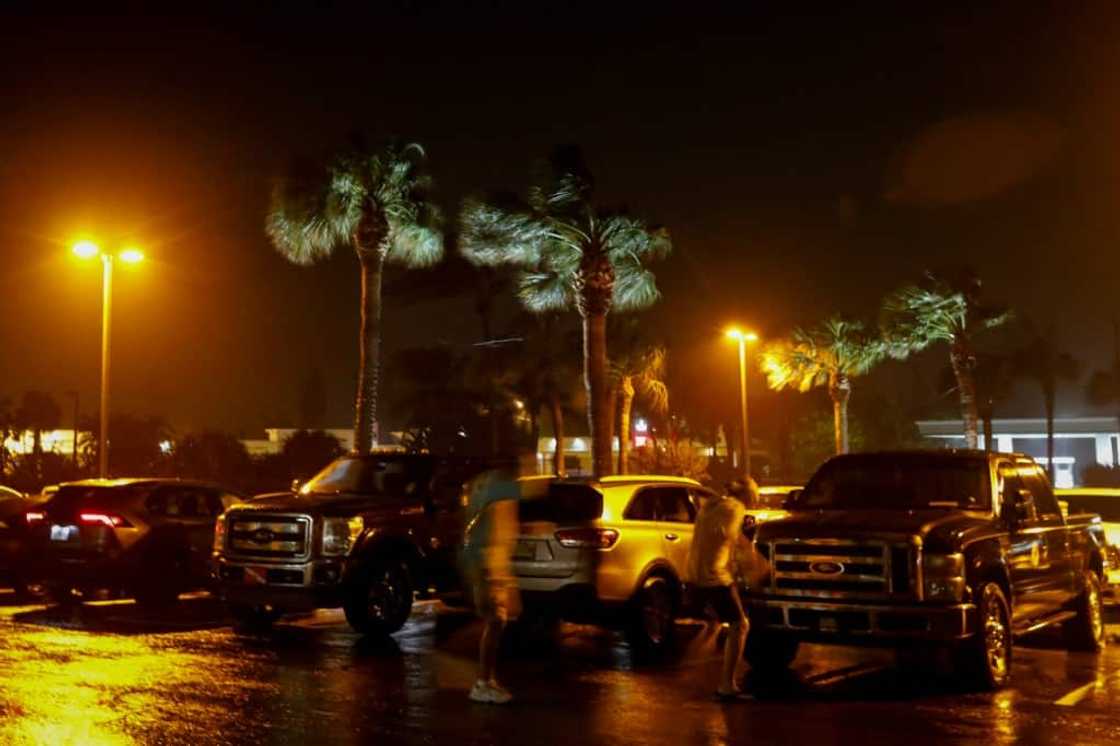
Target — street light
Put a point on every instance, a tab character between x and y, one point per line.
89	250
743	338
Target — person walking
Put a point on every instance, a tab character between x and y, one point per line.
716	554
491	531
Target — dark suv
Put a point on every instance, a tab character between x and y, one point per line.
367	533
146	538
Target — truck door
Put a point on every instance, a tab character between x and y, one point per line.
1057	562
1037	542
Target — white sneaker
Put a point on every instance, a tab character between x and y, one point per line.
489	692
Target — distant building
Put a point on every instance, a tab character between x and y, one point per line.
1078	441
274	442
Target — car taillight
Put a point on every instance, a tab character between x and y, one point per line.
35	516
598	538
112	520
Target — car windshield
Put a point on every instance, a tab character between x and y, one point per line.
1106	506
898	482
391	476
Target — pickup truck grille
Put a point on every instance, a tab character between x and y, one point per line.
270	536
830	568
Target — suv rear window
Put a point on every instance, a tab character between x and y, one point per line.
563	503
72	497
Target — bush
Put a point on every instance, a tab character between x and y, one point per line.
671	458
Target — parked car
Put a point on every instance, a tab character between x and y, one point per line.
611	551
1104	502
367	533
145	538
13	542
954	549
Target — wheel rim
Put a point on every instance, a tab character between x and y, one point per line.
1096	616
385	597
995	637
656	614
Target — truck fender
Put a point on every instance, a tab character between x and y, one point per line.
374	544
987	562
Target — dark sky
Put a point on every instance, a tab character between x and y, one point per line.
806	161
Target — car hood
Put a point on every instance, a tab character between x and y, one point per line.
937	528
343	504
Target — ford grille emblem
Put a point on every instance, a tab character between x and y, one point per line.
826	568
263	536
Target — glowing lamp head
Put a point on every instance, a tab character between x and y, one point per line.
740	335
131	256
86	249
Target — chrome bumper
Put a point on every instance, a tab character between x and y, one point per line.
868	622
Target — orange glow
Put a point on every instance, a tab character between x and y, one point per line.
132	256
86	249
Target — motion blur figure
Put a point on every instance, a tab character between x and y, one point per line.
718	549
491	532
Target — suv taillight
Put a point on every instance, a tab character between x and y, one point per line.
597	538
35	516
93	518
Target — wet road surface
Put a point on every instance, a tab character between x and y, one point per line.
108	673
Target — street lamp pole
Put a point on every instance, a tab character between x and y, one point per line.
106	329
744	426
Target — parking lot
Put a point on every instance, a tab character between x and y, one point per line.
107	673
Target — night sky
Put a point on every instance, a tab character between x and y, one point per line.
805	162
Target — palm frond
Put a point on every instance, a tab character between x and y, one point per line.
492	236
808	358
545	291
303	222
635	287
414	245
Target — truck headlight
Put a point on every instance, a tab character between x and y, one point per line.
220	534
339	534
943	577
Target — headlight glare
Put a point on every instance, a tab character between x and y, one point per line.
339	534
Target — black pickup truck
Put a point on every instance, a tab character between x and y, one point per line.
368	533
927	549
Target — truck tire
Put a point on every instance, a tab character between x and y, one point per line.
1086	630
379	600
770	652
651	618
985	658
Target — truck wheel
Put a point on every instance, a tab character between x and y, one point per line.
253	619
652	619
379	601
1086	630
770	652
986	657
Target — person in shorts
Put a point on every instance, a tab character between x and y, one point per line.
491	532
718	547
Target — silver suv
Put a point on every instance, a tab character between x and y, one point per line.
611	551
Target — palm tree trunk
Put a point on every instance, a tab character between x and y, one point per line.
599	413
625	407
557	414
369	352
840	390
986	415
963	362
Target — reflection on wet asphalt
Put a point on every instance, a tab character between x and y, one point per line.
106	673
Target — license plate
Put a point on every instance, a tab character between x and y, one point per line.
255	576
828	624
64	533
525	550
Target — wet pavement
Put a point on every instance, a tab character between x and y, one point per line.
108	673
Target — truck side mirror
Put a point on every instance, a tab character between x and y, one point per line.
791	499
1025	509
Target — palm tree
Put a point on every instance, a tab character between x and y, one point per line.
829	355
1041	361
941	310
374	202
637	369
1103	388
994	375
38	411
571	254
